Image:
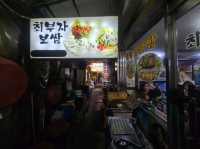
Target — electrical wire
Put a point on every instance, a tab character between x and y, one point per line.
4	4
76	7
48	3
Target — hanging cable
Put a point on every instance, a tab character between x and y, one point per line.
48	3
76	7
5	5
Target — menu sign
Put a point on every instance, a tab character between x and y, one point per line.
149	66
83	37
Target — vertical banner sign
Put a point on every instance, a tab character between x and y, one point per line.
130	68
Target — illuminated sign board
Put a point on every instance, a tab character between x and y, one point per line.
148	43
81	37
97	67
121	95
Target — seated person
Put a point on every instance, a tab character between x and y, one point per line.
188	89
143	94
155	93
55	108
85	90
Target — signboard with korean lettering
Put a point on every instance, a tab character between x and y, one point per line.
83	37
154	38
149	55
188	31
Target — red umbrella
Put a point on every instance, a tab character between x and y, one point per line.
13	82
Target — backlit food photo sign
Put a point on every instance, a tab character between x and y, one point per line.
81	37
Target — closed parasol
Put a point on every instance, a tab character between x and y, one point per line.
13	82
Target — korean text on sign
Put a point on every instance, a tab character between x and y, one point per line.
193	40
50	30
